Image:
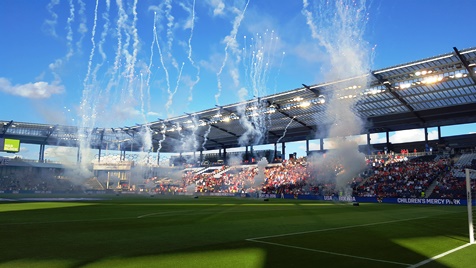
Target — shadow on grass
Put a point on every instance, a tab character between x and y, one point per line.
214	233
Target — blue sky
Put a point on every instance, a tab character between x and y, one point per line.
60	58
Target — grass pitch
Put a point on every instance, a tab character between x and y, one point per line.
181	231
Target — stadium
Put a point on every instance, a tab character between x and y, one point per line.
397	204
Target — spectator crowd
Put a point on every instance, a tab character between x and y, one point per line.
384	176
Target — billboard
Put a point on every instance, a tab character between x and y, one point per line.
10	145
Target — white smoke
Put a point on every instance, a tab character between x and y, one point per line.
339	28
260	177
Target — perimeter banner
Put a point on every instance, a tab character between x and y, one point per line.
419	201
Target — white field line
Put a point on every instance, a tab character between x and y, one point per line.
156	214
335	228
439	256
258	240
205	212
329	252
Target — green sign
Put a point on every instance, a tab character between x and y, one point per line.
11	145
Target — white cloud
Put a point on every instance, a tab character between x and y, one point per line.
376	138
154	114
404	136
37	90
218	7
60	153
407	136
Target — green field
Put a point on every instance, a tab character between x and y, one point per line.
181	231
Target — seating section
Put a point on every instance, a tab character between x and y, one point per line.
433	176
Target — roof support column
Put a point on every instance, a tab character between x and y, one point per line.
427	147
252	154
246	154
99	154
387	135
321	144
41	157
275	152
368	144
78	155
224	157
307	147
426	135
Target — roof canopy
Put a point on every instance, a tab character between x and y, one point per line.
432	92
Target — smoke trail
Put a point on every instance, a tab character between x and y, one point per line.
230	43
135	48
167	58
69	30
122	17
146	135
128	72
205	137
189	141
88	120
69	37
145	132
82	28
162	62
93	43
51	24
172	93
100	46
339	27
285	130
87	109
170	33
250	121
197	77
258	58
163	131
149	68
105	30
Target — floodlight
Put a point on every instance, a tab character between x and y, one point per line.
405	85
305	104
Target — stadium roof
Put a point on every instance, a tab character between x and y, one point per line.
432	92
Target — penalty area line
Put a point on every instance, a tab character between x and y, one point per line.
259	240
328	252
335	228
439	256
